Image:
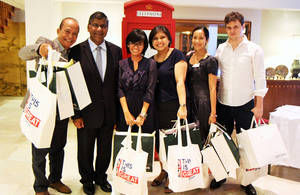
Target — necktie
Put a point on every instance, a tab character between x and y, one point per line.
99	61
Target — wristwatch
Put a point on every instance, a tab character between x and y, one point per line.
143	115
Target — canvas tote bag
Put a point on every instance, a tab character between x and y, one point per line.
38	118
184	164
129	174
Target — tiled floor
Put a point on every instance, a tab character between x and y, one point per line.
16	176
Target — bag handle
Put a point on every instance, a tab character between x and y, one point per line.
128	138
179	133
50	68
255	122
139	140
212	134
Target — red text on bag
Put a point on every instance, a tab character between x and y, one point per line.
125	176
184	171
33	120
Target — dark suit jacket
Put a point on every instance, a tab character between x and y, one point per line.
103	93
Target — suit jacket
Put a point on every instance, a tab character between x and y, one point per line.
103	108
29	52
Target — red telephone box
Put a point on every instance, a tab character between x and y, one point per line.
145	15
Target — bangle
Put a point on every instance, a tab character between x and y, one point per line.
181	105
143	115
213	115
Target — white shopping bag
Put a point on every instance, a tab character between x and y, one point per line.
220	153
214	163
247	176
81	97
261	146
129	174
64	98
184	164
224	152
164	133
38	118
207	175
148	145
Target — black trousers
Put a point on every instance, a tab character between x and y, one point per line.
56	158
86	143
242	115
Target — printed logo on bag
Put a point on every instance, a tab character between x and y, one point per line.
185	170
253	169
121	169
280	155
33	120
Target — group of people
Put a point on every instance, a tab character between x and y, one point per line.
148	92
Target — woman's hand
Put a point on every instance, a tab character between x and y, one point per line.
212	119
129	118
140	121
182	112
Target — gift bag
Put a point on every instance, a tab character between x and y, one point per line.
247	176
64	98
129	174
261	146
220	153
184	164
226	150
38	118
80	93
207	175
148	145
214	163
168	138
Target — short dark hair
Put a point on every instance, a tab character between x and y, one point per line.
205	30
137	35
233	16
98	15
157	29
67	18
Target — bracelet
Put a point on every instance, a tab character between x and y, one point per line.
181	105
143	115
213	115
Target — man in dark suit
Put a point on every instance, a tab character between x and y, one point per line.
97	120
67	36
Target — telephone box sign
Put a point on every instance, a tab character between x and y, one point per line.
148	14
145	15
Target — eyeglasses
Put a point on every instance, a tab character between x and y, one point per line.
138	44
96	26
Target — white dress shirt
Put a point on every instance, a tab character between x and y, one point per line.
242	73
93	47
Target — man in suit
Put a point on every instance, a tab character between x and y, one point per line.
67	36
97	120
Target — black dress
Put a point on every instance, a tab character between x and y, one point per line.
138	87
166	96
199	90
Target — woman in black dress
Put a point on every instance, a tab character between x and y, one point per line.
170	94
137	82
202	81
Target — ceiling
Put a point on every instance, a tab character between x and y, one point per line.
16	3
266	4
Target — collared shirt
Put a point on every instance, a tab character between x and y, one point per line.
93	47
242	73
63	51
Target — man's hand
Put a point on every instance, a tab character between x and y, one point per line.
78	123
44	48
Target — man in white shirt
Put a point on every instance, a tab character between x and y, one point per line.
242	79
